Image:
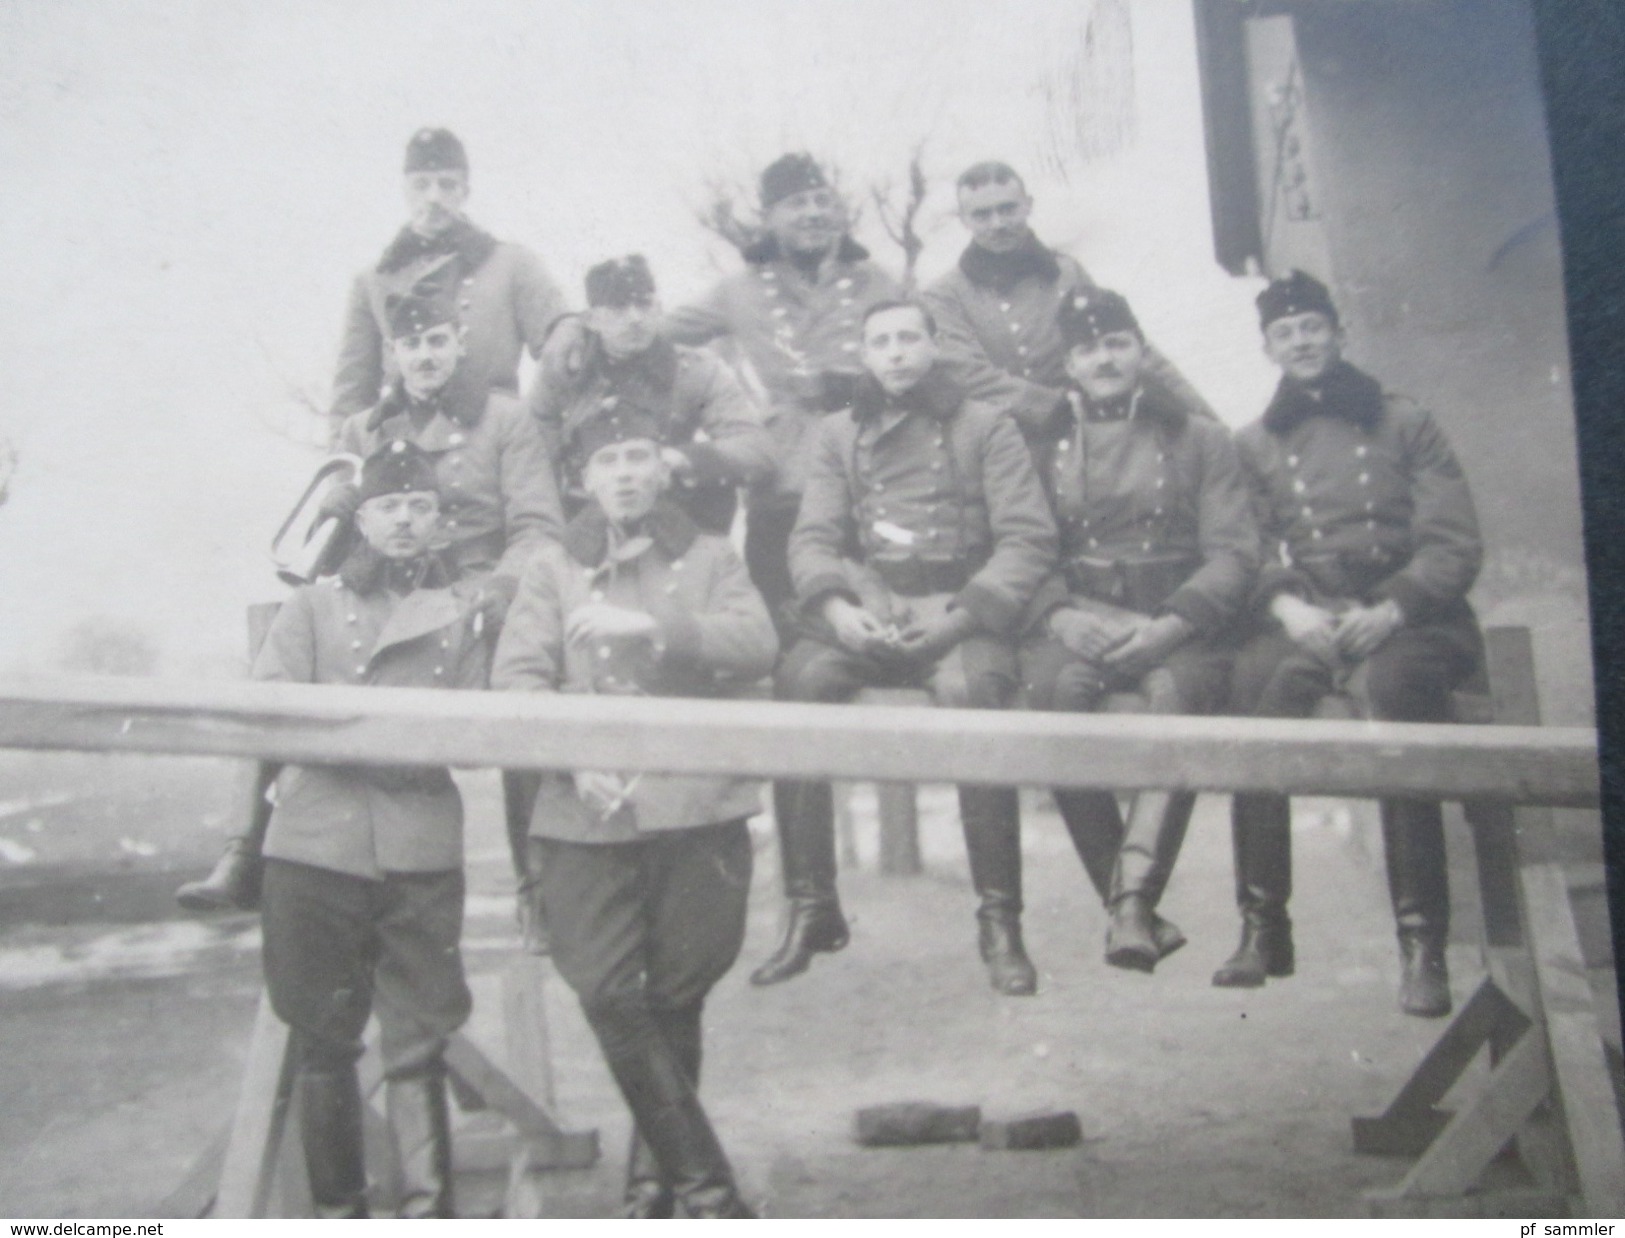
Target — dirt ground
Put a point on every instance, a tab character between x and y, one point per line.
125	1026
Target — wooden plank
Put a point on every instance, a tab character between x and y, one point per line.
256	1129
333	724
524	1018
559	1148
899	829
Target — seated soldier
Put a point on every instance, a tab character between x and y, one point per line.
363	885
712	436
923	536
1363	495
1158	553
643	877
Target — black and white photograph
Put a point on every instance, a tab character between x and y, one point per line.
1012	580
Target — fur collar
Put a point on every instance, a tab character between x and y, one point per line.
462	238
366	571
1345	392
586	538
1149	405
936	395
767	250
1002	272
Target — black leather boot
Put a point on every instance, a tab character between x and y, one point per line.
421	1127
805	815
649	1195
991	817
1151	843
1095	824
1419	885
1261	831
233	884
330	1128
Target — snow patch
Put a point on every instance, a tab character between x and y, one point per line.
147	951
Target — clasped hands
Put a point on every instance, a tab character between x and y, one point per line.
1127	643
1349	636
926	640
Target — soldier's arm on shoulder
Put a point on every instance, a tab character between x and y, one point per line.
288	654
530	652
700	322
740	449
1448	550
531	513
1217	591
359	375
732	634
538	303
967	362
1025	542
824	525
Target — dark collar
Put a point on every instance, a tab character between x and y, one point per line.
1345	392
454	401
936	395
1002	272
462	238
586	538
767	250
366	572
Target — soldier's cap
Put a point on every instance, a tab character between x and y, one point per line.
415	312
1090	313
435	150
791	174
620	282
1294	293
616	424
398	467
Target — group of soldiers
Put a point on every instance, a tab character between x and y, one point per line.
998	491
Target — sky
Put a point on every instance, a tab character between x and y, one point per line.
192	186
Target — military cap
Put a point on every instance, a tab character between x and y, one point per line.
435	150
616	424
398	467
415	312
620	282
1090	313
791	174
1294	293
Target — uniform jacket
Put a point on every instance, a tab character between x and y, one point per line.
1363	497
800	337
1000	340
932	477
695	396
499	501
364	820
505	298
715	641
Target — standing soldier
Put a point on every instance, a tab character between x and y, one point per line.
505	297
711	432
1158	554
1361	491
364	868
998	308
923	537
644	878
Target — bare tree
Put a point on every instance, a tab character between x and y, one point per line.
899	221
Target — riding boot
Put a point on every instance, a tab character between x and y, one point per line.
991	817
420	1124
234	882
805	814
1418	883
330	1128
648	1195
1151	842
1095	824
1261	831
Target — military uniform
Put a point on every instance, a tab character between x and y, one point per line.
913	505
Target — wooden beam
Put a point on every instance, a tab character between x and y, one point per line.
344	725
251	1156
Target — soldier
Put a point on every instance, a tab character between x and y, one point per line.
794	314
644	878
506	298
1361	491
922	538
500	506
712	435
998	308
1158	554
363	875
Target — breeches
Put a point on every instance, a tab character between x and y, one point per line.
1194	679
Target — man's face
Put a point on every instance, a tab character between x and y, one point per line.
400	526
1305	345
427	360
1108	366
626	478
434	200
996	215
809	222
626	330
898	348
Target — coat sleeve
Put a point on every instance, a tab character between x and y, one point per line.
359	378
732	636
289	652
1024	537
738	448
1161	374
550	394
824	525
702	321
1274	576
530	652
1217	591
968	364
537	302
531	516
1447	551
